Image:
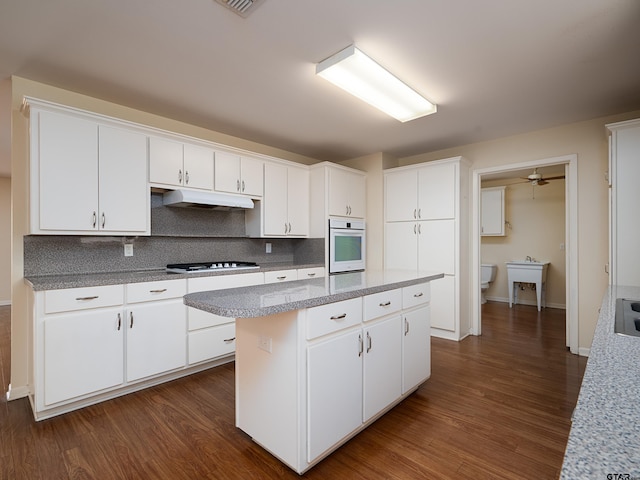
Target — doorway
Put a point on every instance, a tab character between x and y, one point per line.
571	240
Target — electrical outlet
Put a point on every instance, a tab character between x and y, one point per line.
264	343
268	248
128	249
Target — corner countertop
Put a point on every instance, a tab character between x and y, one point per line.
605	431
78	280
263	300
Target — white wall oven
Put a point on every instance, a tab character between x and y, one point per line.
346	245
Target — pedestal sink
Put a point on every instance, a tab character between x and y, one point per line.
527	272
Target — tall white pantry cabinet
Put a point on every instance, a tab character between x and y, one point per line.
426	228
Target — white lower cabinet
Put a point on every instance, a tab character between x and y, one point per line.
95	343
211	336
82	353
362	356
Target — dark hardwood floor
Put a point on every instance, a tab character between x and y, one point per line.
496	406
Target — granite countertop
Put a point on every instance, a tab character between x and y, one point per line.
605	431
55	282
263	300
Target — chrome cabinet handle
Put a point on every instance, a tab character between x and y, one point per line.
238	185
243	185
103	219
289	228
285	227
281	278
186	177
369	343
180	176
130	319
419	213
415	229
406	327
84	299
311	274
418	295
346	209
229	340
338	317
415	213
162	290
385	304
419	229
360	345
95	219
119	321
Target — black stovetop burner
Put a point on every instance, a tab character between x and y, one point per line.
209	266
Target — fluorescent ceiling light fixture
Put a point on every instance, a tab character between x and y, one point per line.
355	72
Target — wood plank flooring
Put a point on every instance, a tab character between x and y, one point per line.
497	406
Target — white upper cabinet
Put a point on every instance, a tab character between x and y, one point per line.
624	170
347	193
87	177
421	193
492	211
238	174
180	164
285	206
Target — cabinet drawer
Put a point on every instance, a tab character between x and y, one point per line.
333	317
160	290
69	299
415	295
313	272
383	303
200	319
211	343
280	276
220	282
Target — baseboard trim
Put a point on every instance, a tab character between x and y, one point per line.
527	302
584	352
14	393
5	303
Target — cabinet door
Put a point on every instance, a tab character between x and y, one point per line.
492	211
123	192
357	195
401	196
198	167
416	348
401	246
437	191
338	192
437	246
443	303
156	338
298	201
83	353
334	391
165	161
227	172
382	365
68	172
251	176
275	215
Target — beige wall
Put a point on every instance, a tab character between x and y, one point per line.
536	227
5	241
588	140
20	87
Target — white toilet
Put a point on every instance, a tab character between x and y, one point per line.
487	275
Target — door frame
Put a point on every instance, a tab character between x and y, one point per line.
571	240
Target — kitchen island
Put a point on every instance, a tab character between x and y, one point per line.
319	360
604	441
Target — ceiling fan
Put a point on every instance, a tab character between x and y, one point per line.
536	178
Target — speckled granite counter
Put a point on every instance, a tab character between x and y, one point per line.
55	282
605	432
263	300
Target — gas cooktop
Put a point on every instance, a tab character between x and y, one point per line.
210	266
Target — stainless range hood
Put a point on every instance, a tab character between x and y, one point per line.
212	200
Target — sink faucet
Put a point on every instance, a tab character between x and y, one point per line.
529	259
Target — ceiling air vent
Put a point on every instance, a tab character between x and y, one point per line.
241	7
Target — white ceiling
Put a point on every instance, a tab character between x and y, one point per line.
494	67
